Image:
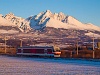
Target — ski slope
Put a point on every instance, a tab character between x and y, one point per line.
45	66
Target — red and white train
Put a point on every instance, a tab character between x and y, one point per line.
39	50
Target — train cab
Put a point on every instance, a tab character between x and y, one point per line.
57	51
39	50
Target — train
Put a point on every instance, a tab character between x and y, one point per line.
39	51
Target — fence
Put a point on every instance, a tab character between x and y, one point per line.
9	50
81	54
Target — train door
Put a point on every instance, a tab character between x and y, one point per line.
45	51
21	50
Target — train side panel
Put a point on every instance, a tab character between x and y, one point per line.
44	51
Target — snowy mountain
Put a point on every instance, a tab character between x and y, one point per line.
41	21
47	26
58	20
4	22
14	21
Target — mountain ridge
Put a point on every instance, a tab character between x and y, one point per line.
45	19
59	20
11	20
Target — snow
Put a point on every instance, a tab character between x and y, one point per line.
72	24
92	34
4	22
12	20
46	66
59	20
45	19
8	31
72	20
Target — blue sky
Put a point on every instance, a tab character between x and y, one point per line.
86	11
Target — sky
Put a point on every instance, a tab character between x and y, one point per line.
86	11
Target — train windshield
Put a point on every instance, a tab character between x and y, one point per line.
56	49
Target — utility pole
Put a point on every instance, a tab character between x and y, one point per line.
71	54
21	44
77	47
5	39
93	41
93	48
53	42
77	43
98	43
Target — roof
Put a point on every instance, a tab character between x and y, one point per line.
36	47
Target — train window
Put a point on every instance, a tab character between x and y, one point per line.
19	51
49	51
26	51
39	50
57	49
45	51
33	50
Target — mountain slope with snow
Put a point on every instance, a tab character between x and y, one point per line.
4	22
14	21
43	20
58	20
22	24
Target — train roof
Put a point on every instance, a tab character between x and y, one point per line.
36	47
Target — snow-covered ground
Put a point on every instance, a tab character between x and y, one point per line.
92	34
45	66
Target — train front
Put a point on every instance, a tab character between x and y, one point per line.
57	51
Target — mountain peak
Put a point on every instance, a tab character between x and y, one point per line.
48	11
61	13
59	20
10	14
46	19
73	20
21	23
